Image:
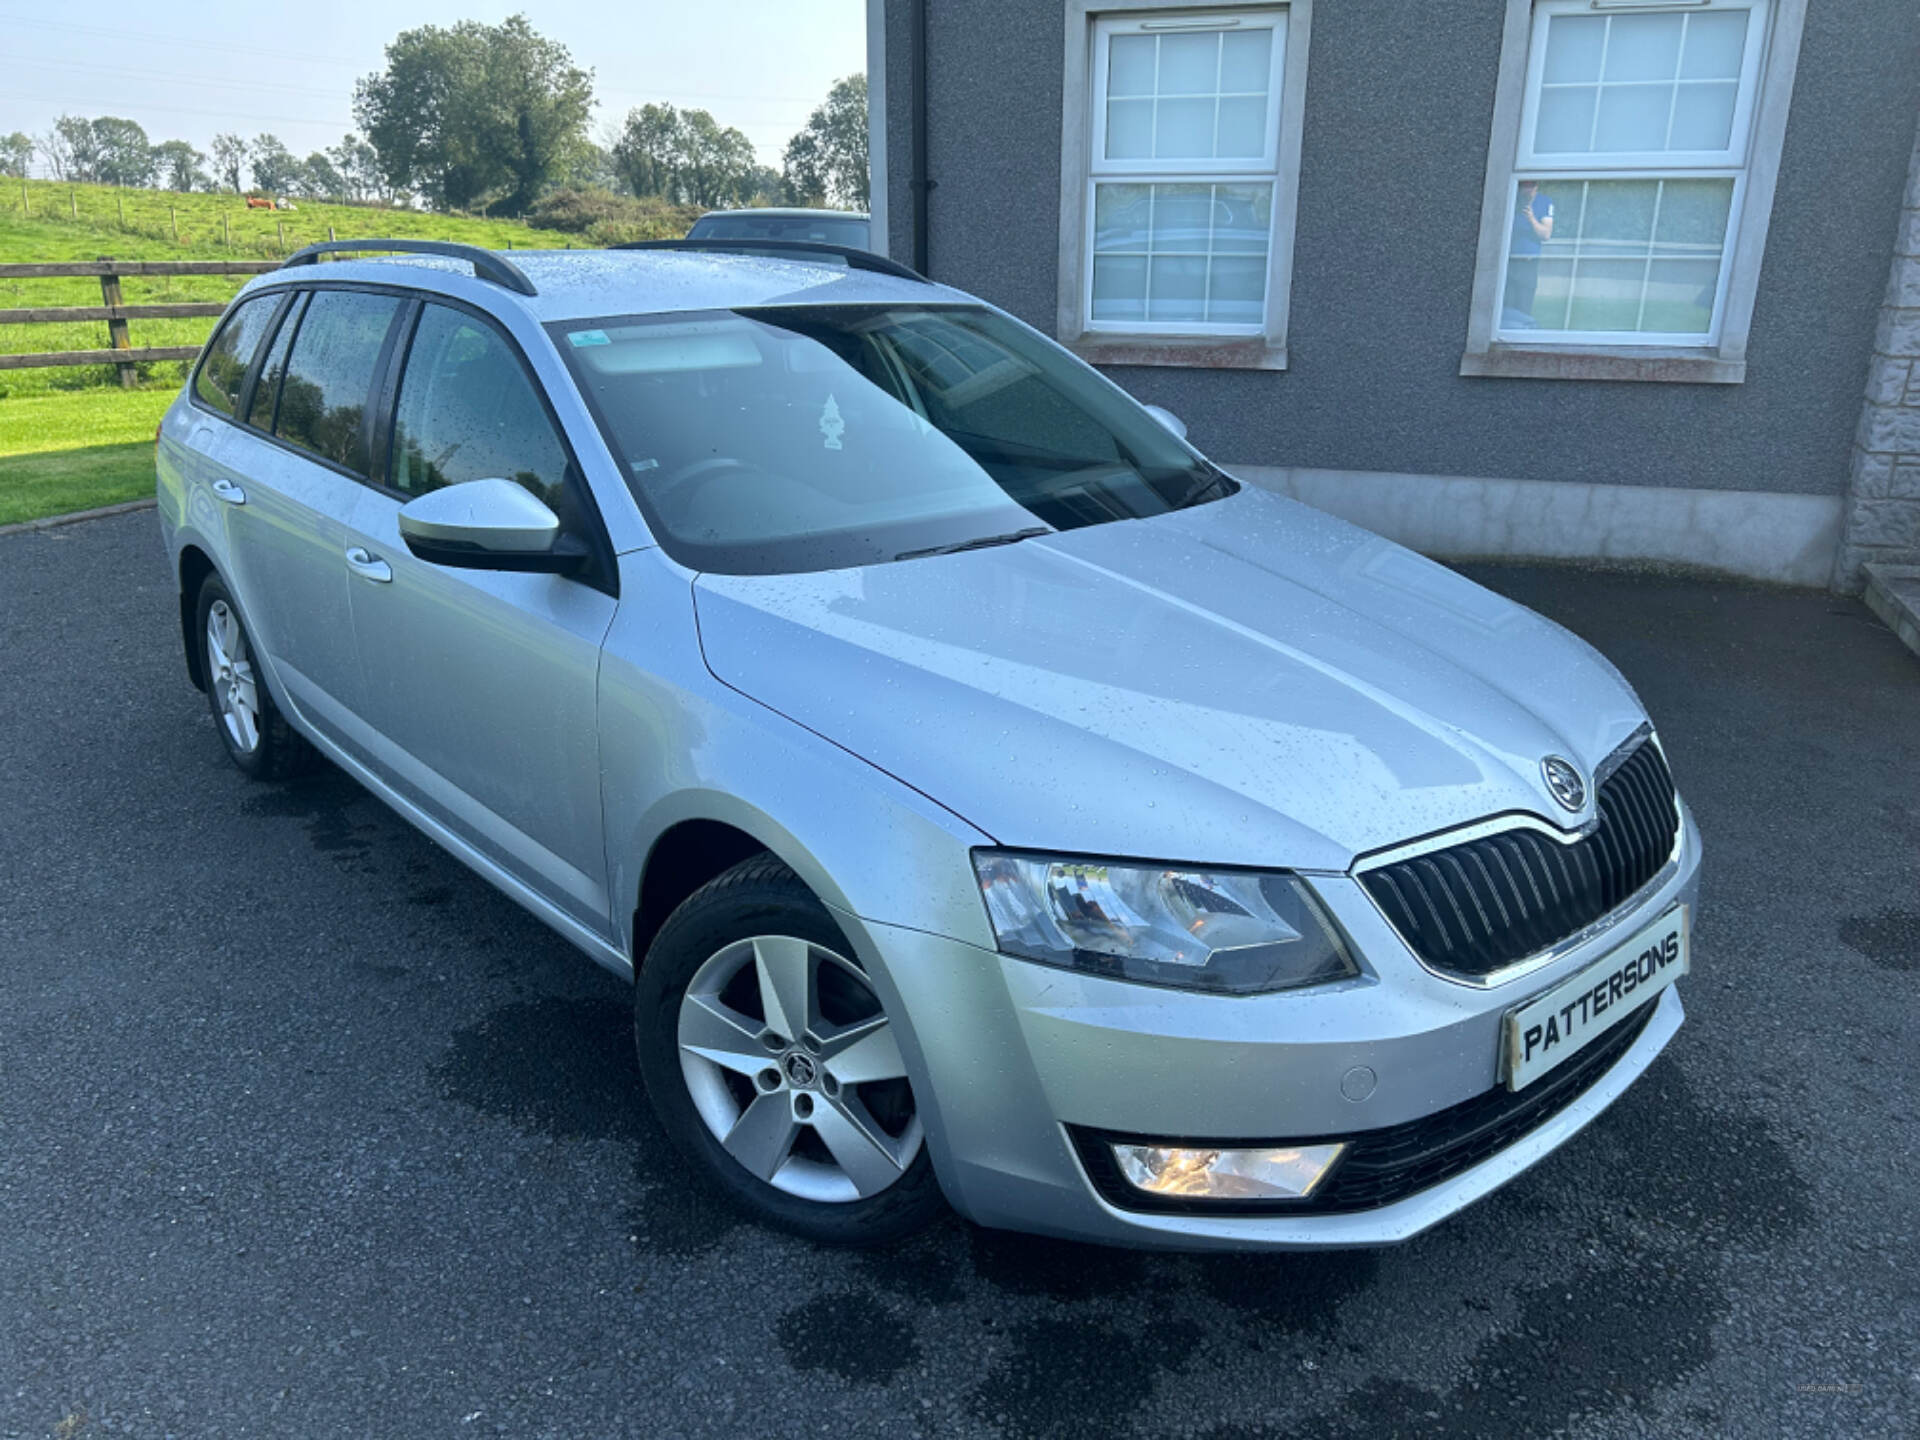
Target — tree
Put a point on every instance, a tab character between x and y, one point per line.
358	165
16	154
276	169
74	135
53	148
685	156
827	160
180	166
475	115
121	152
229	161
646	156
320	179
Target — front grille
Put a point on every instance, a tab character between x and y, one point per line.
1479	906
1382	1166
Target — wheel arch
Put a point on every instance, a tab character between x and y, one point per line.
685	856
195	566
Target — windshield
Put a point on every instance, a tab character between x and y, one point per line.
830	229
790	439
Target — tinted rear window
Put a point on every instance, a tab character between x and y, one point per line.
224	371
824	229
329	381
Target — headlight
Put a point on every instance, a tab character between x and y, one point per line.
1233	932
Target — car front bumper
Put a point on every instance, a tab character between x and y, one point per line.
1008	1058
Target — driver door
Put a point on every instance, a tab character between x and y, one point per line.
481	684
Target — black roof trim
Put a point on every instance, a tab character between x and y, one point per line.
856	259
486	264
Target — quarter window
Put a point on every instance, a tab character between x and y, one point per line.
266	390
325	397
224	371
1630	170
468	411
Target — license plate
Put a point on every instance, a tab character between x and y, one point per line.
1552	1028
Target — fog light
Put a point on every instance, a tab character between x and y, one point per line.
1289	1173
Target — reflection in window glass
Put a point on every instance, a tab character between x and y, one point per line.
1618	84
266	390
224	371
1638	256
468	412
1188	96
1181	252
323	400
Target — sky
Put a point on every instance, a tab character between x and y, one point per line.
190	71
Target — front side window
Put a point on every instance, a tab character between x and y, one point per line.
1629	171
327	392
1183	169
224	371
468	411
811	438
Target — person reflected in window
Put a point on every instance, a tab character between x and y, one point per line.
1532	228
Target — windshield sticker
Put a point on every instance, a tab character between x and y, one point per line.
589	337
831	425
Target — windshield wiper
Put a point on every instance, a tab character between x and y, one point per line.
982	542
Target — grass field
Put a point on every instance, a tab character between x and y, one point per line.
76	449
70	438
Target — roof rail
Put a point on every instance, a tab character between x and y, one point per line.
486	264
855	259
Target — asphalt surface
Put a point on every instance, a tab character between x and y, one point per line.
304	1131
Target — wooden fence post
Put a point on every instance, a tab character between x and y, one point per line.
73	202
117	334
26	207
120	204
173	216
330	235
283	235
226	230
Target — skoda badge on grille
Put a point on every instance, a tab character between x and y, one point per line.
1564	781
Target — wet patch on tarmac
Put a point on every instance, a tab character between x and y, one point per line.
1890	939
1603	1338
925	1269
558	1067
849	1333
1034	1265
1079	1376
322	801
1298	1294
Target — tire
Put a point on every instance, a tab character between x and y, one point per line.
257	736
780	1120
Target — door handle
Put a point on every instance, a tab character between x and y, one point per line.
229	492
369	566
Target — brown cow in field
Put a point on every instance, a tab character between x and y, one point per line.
259	202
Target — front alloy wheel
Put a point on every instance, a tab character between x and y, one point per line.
794	1069
771	1060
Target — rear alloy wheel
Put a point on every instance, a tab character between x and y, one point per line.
256	734
769	1057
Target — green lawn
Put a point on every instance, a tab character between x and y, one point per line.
76	449
70	438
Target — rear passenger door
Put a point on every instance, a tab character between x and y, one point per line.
481	684
297	461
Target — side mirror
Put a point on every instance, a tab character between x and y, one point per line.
488	525
1167	418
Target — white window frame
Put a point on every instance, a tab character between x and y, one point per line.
1751	160
1089	24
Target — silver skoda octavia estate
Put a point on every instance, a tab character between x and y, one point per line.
992	802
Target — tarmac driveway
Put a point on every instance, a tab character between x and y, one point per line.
304	1131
